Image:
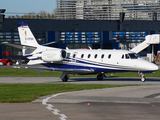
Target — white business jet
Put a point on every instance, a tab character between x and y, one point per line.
80	61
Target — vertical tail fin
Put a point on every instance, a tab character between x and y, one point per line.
26	36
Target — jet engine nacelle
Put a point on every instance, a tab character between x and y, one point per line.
53	55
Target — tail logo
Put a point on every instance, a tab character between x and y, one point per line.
25	33
26	37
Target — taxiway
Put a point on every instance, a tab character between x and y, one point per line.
128	103
80	80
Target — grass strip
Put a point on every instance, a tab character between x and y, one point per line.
23	93
15	72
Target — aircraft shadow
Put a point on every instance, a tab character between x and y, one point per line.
115	79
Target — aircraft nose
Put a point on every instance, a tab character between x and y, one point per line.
156	67
153	67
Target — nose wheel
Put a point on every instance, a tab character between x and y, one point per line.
143	79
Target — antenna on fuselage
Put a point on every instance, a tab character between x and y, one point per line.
90	48
67	48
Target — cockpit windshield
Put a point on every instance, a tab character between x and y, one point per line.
134	56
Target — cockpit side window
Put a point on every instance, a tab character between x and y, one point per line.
134	55
127	56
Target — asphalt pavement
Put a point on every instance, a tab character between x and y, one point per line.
121	103
81	80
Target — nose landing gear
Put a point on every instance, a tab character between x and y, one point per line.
143	79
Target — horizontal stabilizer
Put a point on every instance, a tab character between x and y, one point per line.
34	62
18	46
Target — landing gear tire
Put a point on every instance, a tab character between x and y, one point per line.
65	79
143	79
100	77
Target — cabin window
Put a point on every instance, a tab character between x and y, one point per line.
109	56
89	55
74	55
122	56
82	55
95	56
127	56
102	56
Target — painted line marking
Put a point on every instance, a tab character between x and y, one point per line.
63	117
55	111
51	107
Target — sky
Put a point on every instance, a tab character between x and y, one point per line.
27	6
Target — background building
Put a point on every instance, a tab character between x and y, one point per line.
104	34
108	9
105	24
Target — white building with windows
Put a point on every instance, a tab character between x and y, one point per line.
108	9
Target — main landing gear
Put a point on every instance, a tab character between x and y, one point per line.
100	76
64	77
143	79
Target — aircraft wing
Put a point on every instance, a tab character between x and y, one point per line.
58	69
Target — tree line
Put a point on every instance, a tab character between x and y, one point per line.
42	15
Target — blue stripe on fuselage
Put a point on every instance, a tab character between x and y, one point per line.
100	64
67	66
97	66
